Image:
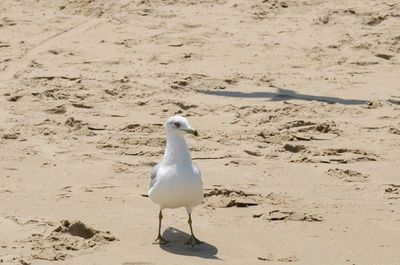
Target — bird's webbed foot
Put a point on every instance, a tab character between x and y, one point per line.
160	241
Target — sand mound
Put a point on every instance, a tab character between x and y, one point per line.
56	244
76	229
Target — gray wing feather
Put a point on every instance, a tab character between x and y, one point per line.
197	170
153	178
154	171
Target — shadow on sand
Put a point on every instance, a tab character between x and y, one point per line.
285	94
177	245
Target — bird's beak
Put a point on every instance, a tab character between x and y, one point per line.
191	131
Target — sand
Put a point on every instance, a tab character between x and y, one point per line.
297	104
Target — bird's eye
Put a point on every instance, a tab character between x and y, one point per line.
177	125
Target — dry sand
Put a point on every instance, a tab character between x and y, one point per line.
296	102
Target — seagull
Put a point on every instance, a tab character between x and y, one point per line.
176	181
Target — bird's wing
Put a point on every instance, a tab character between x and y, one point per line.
196	170
153	178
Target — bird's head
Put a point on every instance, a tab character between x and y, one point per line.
179	125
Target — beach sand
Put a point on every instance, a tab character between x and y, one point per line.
297	104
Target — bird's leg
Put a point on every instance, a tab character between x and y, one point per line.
192	240
160	240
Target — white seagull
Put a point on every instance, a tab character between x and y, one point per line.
175	181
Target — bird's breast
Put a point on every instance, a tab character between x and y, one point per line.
177	188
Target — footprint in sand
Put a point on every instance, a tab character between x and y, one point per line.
347	175
225	198
142	128
270	257
335	156
392	191
280	215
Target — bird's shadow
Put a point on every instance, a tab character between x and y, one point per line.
176	245
285	94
